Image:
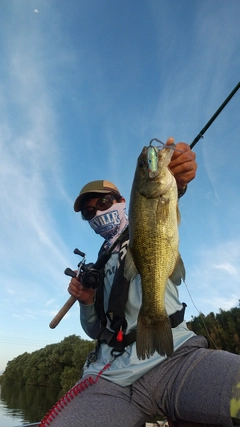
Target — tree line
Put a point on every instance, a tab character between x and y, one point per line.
60	365
222	330
56	365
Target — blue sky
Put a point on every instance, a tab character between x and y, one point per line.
84	85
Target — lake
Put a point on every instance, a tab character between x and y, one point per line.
25	404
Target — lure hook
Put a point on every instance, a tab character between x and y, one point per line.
172	146
157	140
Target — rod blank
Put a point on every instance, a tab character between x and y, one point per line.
208	124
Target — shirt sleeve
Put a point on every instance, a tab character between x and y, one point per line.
89	320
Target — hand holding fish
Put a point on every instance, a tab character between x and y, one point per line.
183	163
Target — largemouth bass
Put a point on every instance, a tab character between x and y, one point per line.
153	247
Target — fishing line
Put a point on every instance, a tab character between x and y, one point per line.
194	142
205	327
201	317
199	312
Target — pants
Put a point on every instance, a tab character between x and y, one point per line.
194	385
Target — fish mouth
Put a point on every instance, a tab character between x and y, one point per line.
152	175
153	156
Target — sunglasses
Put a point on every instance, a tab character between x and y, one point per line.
102	204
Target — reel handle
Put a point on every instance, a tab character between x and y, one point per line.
78	252
69	272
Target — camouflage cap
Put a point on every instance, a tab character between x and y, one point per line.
100	186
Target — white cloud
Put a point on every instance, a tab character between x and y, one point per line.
227	267
33	252
50	302
214	282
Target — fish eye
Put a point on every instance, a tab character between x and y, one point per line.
141	164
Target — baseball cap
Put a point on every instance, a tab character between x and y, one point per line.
100	186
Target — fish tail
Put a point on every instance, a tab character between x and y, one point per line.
157	337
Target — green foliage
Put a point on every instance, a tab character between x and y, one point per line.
222	330
60	365
56	365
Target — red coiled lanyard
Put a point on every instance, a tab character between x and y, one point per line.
73	392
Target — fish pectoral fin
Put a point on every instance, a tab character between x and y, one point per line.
179	272
130	269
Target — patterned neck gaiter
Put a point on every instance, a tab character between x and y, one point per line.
110	223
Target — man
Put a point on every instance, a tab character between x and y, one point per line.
117	389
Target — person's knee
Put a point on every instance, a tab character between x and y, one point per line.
235	398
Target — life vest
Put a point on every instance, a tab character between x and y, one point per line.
116	337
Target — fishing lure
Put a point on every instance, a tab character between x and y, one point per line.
152	159
152	156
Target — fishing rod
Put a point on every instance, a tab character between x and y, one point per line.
69	272
201	133
89	277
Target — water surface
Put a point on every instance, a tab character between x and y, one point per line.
25	404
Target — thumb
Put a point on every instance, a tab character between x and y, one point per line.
170	141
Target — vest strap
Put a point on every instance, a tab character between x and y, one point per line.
108	337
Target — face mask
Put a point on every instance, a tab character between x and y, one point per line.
110	222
